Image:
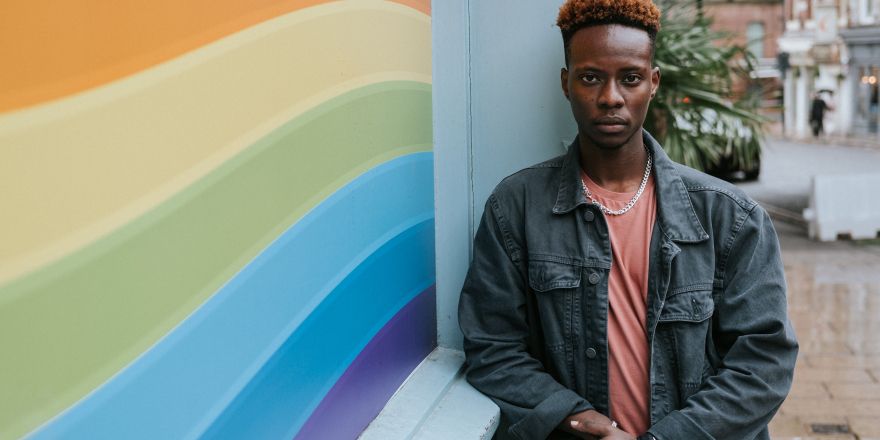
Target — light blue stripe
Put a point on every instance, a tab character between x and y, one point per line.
177	388
277	403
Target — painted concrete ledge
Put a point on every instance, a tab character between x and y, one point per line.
436	402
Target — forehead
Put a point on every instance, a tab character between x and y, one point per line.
610	44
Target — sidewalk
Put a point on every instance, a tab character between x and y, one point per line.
862	141
834	301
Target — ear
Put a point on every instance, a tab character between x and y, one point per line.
655	81
563	76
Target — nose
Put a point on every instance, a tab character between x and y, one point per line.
610	96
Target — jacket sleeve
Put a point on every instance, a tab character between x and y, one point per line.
493	318
754	340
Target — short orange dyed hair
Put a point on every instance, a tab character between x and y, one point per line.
577	14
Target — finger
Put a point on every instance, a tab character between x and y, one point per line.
584	428
578	426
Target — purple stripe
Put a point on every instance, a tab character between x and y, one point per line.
377	372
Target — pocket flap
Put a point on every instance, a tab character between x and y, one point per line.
549	275
692	306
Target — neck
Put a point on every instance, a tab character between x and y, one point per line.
618	169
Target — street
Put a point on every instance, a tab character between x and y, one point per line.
834	301
787	169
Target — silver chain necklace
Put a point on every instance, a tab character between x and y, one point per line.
632	201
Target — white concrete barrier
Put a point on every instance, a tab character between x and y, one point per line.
844	205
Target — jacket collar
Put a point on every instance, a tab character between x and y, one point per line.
675	212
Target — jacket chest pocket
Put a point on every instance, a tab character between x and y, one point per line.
691	304
684	330
545	276
556	291
557	294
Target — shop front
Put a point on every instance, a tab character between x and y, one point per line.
863	44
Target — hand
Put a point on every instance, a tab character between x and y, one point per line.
589	424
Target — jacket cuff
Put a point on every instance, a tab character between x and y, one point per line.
677	426
542	420
583	406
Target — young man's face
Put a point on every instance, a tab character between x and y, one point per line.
610	81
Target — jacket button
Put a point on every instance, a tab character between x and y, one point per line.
591	353
589	216
594	278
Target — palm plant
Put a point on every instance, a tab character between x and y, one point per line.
695	115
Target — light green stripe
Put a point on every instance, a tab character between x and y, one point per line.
67	328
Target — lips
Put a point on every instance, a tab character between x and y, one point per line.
611	125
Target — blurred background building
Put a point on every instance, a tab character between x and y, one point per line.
831	48
757	25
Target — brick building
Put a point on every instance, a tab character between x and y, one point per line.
756	24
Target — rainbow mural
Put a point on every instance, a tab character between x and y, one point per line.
217	216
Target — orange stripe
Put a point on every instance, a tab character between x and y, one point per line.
420	5
51	49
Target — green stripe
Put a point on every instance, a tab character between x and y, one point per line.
67	328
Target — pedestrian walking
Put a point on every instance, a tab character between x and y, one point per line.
817	114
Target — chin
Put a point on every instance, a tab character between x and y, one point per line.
609	146
610	143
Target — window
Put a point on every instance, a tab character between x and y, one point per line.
755	38
864	10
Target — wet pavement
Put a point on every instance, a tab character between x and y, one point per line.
834	301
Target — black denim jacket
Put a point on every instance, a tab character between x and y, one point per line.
534	305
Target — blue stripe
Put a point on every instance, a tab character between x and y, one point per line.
281	398
179	387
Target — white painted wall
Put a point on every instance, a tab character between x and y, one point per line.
520	116
453	189
498	107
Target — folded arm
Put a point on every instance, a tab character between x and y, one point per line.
754	339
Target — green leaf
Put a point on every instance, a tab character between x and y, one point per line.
699	64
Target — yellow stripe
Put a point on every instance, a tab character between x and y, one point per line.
74	170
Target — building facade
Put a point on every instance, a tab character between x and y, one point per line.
863	46
757	25
833	51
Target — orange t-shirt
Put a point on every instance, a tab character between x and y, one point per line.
628	355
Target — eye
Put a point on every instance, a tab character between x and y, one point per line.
632	78
589	78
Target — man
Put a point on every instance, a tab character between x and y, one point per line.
817	114
613	293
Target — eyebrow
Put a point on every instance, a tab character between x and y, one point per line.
588	67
